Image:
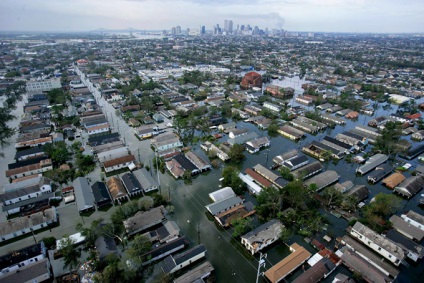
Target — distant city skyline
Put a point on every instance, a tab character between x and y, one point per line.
376	16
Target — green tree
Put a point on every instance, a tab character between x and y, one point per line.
332	196
236	153
270	201
387	142
231	179
58	152
273	128
71	255
138	247
241	226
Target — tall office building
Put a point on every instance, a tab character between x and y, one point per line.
178	30
226	25
173	31
230	26
203	30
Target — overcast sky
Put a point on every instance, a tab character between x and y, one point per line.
292	15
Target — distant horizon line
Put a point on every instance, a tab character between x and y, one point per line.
129	30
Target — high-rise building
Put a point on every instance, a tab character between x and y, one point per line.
226	25
230	26
178	30
173	31
242	27
203	30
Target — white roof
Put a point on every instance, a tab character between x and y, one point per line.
222	194
76	239
314	259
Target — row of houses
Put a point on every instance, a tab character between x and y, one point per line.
188	162
115	190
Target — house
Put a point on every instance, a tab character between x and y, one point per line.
270	176
112	153
165	232
241	211
144	220
18	259
296	162
412	249
222	194
210	147
148	183
308	170
406	228
291	133
83	195
166	141
133	122
379	173
25	190
372	259
418	136
255	145
105	246
368	272
172	263
381	245
119	163
145	131
414	219
251	183
409	187
28	170
372	163
223	205
186	164
262	236
393	180
238	132
322	269
413	152
272	106
323	179
227	127
29	153
175	168
35	272
359	192
344	187
241	139
158	118
198	274
332	119
289	264
117	190
195	159
253	110
317	149
98	129
131	184
279	159
101	194
164	250
26	225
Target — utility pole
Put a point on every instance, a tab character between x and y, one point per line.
261	264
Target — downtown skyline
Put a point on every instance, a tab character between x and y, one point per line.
378	16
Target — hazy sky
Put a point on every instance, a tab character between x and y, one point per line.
293	15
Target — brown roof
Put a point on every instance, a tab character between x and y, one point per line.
119	160
393	180
288	264
98	127
258	178
116	188
28	168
